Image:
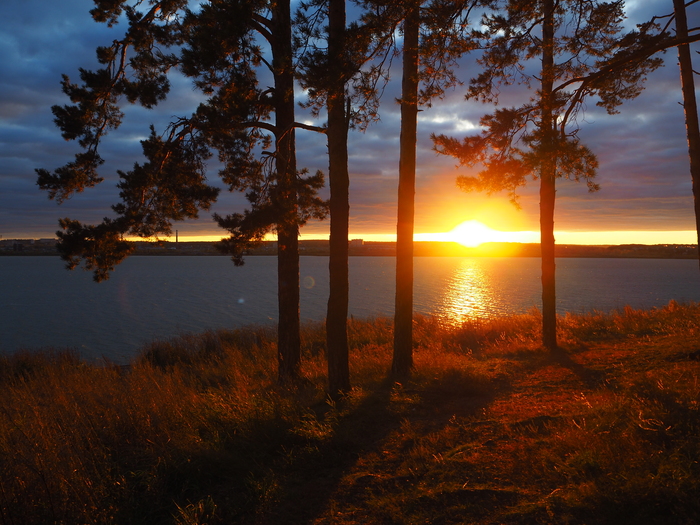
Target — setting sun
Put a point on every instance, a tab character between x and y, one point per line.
473	233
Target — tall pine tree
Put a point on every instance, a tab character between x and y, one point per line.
339	71
434	37
571	39
252	131
402	361
331	69
690	107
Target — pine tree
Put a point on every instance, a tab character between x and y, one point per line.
638	47
339	178
331	69
690	108
325	72
572	38
403	309
218	47
434	37
428	62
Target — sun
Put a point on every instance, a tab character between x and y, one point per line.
473	233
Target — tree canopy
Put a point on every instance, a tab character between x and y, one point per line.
570	39
218	47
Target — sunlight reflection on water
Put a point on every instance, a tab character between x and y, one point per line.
151	298
468	294
458	289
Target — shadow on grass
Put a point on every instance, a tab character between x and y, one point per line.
312	477
371	434
591	378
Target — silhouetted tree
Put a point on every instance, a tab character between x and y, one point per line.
217	46
433	39
690	108
636	48
339	180
334	78
402	361
572	38
650	40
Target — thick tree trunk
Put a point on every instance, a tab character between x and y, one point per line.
403	315
549	296
547	182
690	108
289	340
288	331
337	314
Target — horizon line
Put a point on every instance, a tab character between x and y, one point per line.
598	238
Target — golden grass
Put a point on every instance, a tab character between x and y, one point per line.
490	428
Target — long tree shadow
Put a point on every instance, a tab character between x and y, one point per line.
313	478
561	357
592	378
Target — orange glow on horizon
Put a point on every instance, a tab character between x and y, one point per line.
472	233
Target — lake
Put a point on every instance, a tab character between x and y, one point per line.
150	298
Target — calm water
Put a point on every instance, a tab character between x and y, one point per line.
151	298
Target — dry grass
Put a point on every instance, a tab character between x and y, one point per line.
489	429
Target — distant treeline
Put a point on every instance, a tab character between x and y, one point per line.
421	249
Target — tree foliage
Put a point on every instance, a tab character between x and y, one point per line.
510	149
224	47
218	47
574	40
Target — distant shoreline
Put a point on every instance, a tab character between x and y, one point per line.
388	249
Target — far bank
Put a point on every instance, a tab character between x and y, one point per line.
358	247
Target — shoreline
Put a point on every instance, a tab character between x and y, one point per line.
359	248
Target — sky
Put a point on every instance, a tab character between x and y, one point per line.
645	194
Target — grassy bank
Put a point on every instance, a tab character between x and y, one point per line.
490	429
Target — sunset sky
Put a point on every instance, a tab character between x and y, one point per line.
645	194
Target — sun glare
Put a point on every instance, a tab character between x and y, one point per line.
474	233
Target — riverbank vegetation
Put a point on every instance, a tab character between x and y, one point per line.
490	428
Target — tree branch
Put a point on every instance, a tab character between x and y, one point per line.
263	26
317	129
259	124
639	55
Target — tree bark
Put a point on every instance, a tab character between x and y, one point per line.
548	172
403	314
690	108
288	335
337	313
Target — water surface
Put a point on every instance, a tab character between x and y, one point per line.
156	297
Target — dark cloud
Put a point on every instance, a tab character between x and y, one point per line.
644	174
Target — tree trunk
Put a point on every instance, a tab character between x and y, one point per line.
289	340
403	315
337	314
690	108
547	181
288	330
